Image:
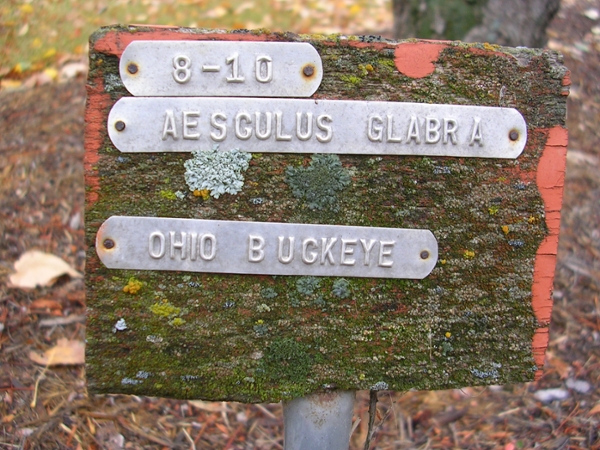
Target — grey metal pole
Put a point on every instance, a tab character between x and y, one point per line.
319	422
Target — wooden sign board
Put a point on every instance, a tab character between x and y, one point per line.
385	217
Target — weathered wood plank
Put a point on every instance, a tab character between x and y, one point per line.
481	317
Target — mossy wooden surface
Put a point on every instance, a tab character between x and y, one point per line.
266	338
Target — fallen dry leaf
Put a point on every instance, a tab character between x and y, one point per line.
72	70
65	352
562	368
209	406
35	268
595	409
45	305
8	418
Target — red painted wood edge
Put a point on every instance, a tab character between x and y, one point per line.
550	180
566	83
95	128
114	43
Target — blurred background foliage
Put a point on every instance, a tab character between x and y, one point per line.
36	35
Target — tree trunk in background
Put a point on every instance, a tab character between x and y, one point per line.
505	22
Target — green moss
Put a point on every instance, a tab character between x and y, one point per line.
287	361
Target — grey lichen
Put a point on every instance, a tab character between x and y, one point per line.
220	172
307	285
121	325
380	386
319	183
341	288
113	83
268	293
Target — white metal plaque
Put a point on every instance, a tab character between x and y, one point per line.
265	248
315	126
220	68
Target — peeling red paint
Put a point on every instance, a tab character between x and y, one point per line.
416	59
116	42
550	179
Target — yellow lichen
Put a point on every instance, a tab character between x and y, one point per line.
490	47
169	195
164	309
204	193
133	286
177	322
469	254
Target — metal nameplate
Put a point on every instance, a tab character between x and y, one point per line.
265	248
220	68
315	126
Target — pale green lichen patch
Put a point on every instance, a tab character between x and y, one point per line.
319	183
307	285
220	172
341	288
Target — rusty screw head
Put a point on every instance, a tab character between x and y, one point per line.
132	68
424	254
308	70
513	135
120	125
108	244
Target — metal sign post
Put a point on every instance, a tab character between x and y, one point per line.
319	421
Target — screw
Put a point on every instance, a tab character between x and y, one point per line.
514	135
108	244
132	68
120	125
308	70
424	254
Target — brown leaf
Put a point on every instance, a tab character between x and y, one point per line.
45	305
65	352
595	409
562	368
76	297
